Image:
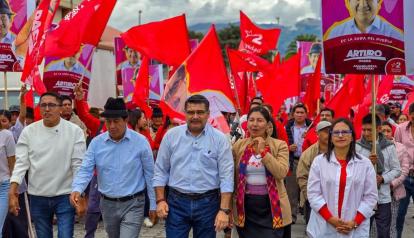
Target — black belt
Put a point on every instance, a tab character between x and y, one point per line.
123	199
195	196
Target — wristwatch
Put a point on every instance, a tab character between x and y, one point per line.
225	210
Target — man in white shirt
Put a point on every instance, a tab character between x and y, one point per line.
364	19
51	150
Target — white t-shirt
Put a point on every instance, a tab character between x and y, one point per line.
7	149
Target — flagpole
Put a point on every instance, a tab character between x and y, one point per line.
88	63
6	94
373	114
236	94
29	217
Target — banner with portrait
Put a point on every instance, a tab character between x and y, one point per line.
363	39
309	54
127	62
156	86
409	36
62	74
403	85
14	32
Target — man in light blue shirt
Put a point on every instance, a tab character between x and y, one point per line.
196	163
124	164
364	19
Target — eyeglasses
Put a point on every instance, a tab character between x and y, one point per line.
192	113
341	133
49	105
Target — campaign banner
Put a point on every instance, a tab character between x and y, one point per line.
62	74
193	44
309	54
127	60
363	39
409	36
403	85
14	33
156	86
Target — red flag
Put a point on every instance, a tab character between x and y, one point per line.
203	72
384	88
166	41
350	94
98	22
241	62
286	79
83	25
410	100
313	90
276	61
35	52
254	39
141	90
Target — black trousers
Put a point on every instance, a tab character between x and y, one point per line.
17	226
382	219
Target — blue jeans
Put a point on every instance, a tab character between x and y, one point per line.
185	213
43	209
402	210
4	202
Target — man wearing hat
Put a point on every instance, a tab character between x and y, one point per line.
313	56
306	159
125	165
5	16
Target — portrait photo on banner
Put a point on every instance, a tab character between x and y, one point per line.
309	55
128	62
62	74
16	18
364	38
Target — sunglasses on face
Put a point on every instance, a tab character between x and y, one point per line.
338	133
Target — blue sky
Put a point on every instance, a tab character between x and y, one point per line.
125	14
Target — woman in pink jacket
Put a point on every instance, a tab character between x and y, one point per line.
397	186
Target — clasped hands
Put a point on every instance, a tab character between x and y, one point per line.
342	226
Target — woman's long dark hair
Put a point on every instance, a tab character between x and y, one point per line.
133	117
352	148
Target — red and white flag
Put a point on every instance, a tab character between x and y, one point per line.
255	39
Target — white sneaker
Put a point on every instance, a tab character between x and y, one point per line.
148	223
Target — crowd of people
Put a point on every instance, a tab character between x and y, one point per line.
130	170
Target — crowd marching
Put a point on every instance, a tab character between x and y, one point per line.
131	170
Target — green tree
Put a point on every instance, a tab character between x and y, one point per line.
195	35
292	48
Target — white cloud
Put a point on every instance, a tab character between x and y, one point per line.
125	14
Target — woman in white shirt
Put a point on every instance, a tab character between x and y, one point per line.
342	188
7	160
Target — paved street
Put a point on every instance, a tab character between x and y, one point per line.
298	230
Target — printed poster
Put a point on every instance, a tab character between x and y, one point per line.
363	38
62	74
14	33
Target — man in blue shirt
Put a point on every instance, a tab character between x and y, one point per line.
125	166
364	18
196	163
